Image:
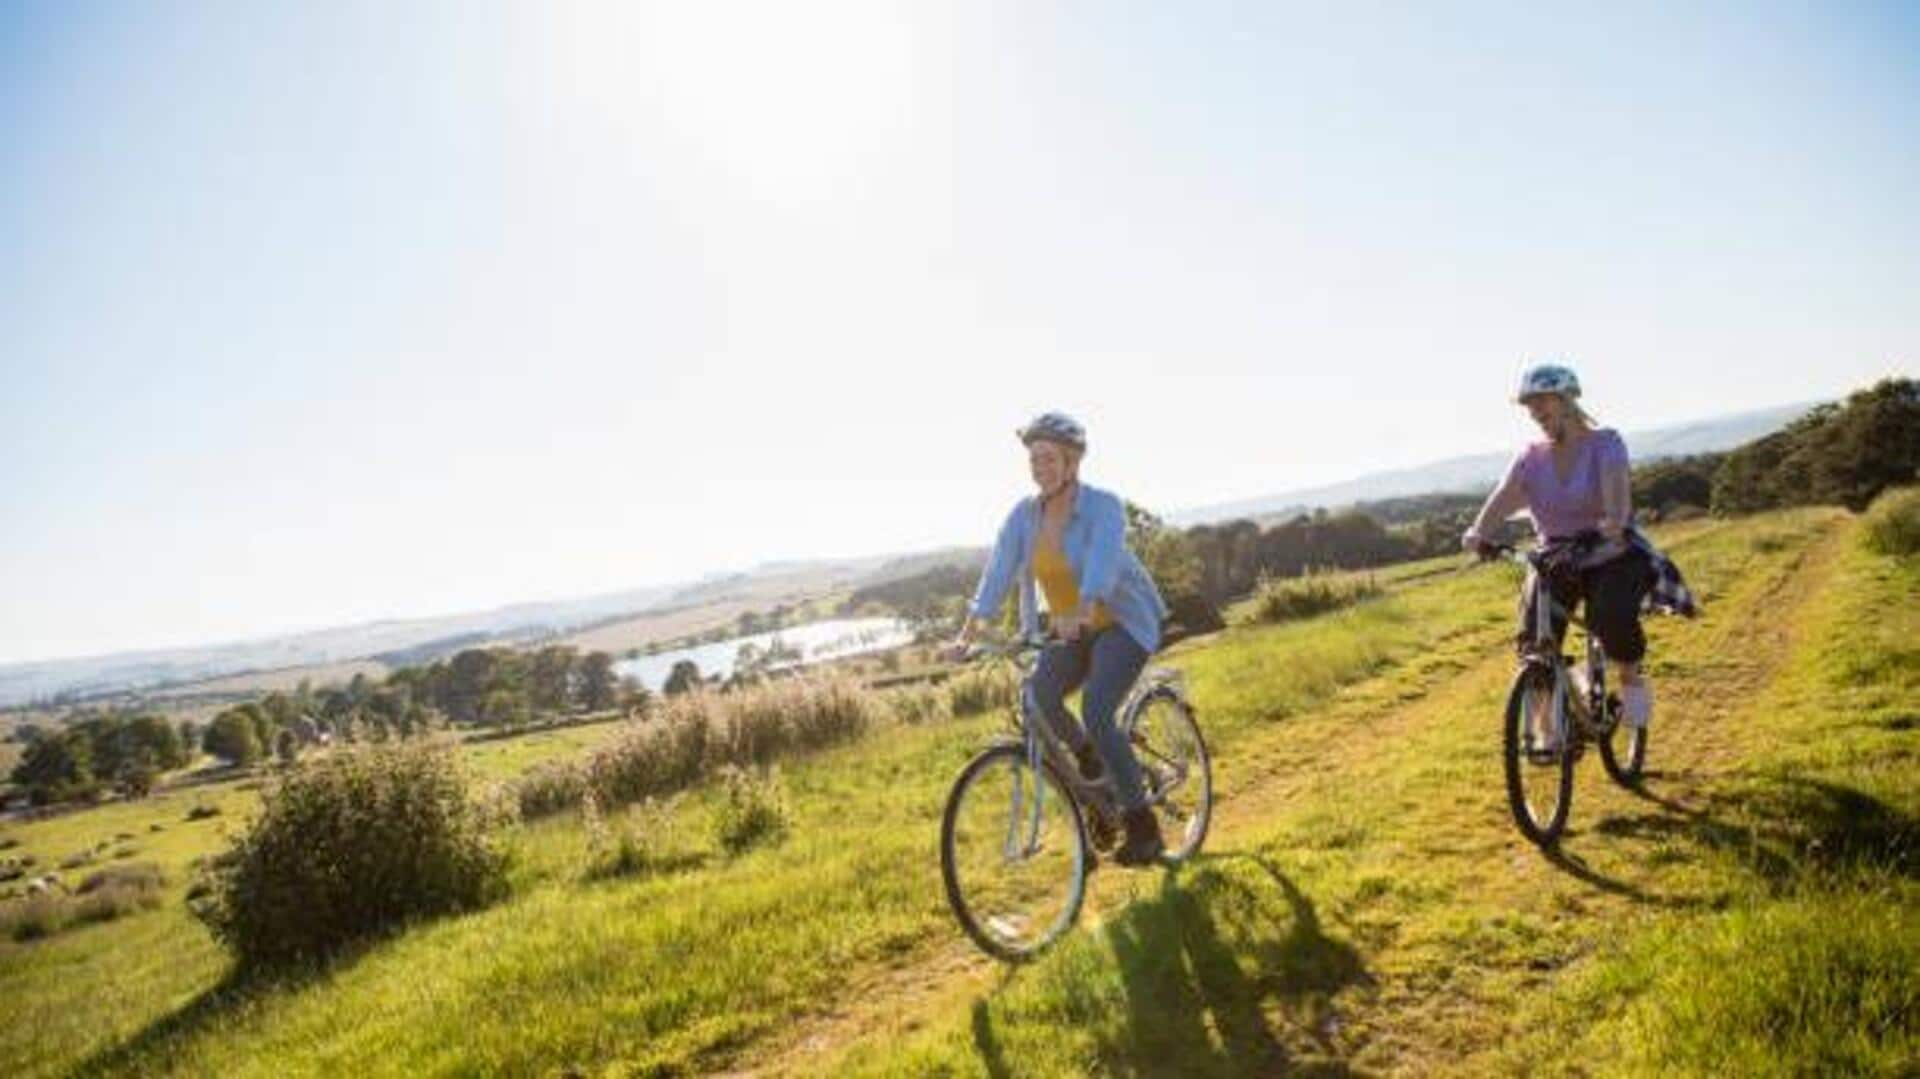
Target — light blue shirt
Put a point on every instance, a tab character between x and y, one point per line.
1095	543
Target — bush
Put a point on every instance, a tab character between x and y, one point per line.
752	811
34	917
549	788
351	846
1287	599
118	891
642	843
1893	522
696	733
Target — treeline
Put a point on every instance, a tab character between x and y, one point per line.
486	687
94	753
1838	454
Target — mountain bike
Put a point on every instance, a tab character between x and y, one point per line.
1579	710
1022	825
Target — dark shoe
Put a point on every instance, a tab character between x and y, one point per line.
1143	845
1101	831
1089	761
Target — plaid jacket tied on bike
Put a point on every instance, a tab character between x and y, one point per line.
1669	594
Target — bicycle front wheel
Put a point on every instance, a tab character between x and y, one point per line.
1539	786
1013	854
1624	750
1176	770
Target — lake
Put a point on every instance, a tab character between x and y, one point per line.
832	638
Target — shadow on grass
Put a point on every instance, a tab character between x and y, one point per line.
662	865
1777	828
160	1045
1227	971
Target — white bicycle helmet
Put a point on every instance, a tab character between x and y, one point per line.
1054	427
1548	378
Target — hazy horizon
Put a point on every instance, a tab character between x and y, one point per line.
319	316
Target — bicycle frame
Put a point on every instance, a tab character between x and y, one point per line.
1043	746
1592	710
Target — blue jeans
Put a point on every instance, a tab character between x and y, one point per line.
1107	663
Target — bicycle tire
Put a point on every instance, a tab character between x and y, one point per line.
976	923
1559	774
1625	768
1197	763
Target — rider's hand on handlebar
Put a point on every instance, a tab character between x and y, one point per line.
1478	546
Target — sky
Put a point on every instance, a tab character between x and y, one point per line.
312	314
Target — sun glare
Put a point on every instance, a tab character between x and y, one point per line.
790	101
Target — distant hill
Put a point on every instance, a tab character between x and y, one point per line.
94	676
1478	472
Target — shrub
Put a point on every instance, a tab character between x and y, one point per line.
695	733
752	811
117	891
1312	593
1893	522
351	846
35	917
552	787
642	843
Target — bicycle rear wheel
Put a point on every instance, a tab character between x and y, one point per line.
1176	769
1540	795
1015	879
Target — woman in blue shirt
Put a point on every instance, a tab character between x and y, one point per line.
1069	542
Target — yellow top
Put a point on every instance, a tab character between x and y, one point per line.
1055	575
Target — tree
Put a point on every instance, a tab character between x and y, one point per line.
158	740
57	767
1173	561
470	677
550	677
233	738
504	708
684	676
598	683
287	746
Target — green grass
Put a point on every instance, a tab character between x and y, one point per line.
1364	902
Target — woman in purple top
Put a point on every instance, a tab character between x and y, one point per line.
1576	487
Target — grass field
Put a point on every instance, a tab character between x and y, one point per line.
1364	903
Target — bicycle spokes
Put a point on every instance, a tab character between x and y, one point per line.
1012	853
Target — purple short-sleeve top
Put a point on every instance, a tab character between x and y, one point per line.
1563	509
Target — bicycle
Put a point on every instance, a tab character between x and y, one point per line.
1580	710
1021	826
